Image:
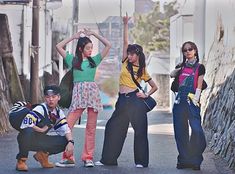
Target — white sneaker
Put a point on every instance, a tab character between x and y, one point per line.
98	163
89	163
139	166
65	163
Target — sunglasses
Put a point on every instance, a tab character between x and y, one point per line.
189	49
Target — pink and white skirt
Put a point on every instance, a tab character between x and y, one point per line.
85	95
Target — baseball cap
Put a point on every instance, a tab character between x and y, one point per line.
52	90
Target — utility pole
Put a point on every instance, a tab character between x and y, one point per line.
34	77
75	20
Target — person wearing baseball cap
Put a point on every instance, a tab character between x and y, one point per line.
51	90
53	140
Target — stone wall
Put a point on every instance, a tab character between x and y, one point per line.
219	121
219	99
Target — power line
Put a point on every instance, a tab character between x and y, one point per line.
94	16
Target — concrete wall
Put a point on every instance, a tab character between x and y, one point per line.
14	14
162	95
20	25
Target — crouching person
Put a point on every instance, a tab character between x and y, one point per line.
42	129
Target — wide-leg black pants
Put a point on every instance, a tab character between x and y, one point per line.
128	109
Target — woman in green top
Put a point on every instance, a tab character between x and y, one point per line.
85	90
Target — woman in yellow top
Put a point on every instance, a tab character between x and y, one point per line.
129	108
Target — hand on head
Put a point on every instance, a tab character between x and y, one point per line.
83	33
87	32
78	34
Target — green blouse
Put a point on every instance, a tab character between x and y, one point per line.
88	73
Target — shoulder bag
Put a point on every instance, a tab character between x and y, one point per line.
66	89
149	102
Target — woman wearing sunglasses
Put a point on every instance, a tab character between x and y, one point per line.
186	110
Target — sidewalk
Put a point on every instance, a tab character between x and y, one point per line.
163	151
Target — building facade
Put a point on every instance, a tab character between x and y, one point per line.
19	15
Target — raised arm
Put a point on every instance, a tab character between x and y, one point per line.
60	46
106	43
125	36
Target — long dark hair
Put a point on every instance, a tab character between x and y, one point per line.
138	50
194	46
77	61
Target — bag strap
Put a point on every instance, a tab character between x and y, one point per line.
134	80
46	116
72	72
45	111
195	68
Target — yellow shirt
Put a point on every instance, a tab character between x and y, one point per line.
125	76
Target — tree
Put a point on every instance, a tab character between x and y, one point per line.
152	30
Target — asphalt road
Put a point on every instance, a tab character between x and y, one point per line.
163	152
